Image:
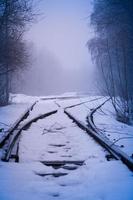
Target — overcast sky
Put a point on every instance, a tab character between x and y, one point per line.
64	31
59	41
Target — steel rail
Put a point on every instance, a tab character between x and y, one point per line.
15	125
101	138
17	132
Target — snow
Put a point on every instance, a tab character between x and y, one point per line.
119	133
40	108
21	98
81	111
77	100
9	115
96	179
105	121
56	130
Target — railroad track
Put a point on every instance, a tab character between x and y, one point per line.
4	139
12	146
10	143
60	146
103	140
92	130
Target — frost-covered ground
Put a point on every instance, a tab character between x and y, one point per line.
58	138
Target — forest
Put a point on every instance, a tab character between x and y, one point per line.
112	51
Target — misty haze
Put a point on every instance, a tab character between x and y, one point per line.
60	61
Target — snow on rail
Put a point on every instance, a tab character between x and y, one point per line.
17	133
111	145
103	140
15	125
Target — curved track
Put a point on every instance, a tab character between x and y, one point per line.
11	143
103	140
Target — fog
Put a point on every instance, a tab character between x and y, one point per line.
60	59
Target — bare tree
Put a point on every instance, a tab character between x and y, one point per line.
14	17
112	49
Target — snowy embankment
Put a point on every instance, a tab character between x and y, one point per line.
119	133
57	137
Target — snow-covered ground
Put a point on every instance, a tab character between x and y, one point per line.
9	115
81	111
40	108
95	181
119	133
105	122
58	138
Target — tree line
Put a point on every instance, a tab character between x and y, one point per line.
112	51
14	17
